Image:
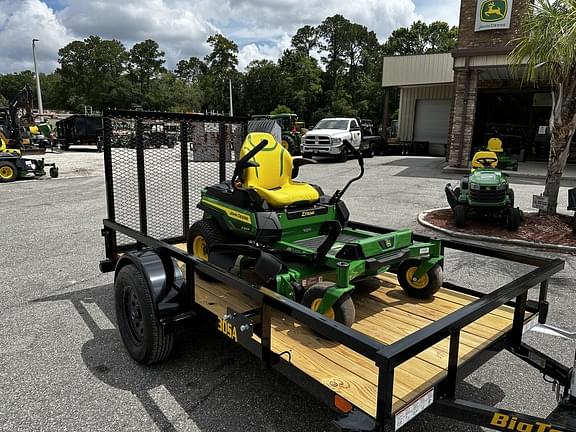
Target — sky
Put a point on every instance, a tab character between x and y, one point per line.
261	28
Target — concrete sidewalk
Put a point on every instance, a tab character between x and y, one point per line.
535	170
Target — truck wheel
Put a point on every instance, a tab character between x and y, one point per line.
460	215
423	288
342	311
8	172
343	156
289	144
513	218
144	337
370	151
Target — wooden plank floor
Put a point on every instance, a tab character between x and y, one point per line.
385	314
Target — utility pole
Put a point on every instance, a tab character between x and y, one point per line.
231	106
40	107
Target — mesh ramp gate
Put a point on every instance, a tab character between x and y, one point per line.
157	163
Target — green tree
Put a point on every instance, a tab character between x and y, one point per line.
281	109
422	38
11	84
92	72
546	54
168	93
301	82
190	70
262	86
305	39
222	62
145	62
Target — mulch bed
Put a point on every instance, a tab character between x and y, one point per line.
539	229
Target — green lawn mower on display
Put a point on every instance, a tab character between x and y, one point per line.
292	238
485	193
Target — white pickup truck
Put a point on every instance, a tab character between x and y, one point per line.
328	136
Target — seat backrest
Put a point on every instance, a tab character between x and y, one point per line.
485	156
495	145
275	163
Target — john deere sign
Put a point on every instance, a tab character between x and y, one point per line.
493	14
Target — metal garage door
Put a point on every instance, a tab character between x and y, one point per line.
431	123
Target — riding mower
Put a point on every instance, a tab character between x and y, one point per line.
292	238
14	166
485	193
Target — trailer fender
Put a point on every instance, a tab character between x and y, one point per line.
163	277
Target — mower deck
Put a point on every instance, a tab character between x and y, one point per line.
386	315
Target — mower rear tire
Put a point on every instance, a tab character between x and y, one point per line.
513	218
343	310
423	288
203	235
460	215
145	338
54	172
8	172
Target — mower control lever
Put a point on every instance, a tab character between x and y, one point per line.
245	161
338	194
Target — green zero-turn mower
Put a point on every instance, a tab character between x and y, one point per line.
291	237
485	193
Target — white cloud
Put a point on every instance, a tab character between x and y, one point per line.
255	51
261	28
20	22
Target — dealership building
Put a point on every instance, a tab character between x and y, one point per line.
454	102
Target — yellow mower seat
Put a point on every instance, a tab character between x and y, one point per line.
488	156
495	145
272	179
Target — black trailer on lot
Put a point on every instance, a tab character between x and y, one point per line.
80	129
401	357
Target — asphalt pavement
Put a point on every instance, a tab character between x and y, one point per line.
63	366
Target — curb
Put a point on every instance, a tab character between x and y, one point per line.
487	238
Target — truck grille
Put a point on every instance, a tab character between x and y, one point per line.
487	195
317	140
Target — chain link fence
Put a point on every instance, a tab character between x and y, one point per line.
156	164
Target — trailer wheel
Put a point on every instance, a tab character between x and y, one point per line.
8	172
144	337
342	311
423	288
370	151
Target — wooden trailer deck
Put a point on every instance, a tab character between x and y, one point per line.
385	314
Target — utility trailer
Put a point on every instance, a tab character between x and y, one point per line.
401	357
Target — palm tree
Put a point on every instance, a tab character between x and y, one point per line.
547	53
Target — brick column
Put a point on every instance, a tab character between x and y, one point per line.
462	117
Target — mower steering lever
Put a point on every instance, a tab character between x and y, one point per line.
338	194
245	161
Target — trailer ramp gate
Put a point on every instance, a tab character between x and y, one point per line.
402	357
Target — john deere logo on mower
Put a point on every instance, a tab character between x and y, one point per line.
493	10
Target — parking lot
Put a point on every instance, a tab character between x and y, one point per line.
63	365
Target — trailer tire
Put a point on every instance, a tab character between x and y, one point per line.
423	288
143	335
342	311
8	172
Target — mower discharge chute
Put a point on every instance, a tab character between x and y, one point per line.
291	237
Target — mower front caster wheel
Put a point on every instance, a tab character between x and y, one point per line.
422	288
342	310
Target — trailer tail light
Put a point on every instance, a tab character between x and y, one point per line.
342	404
